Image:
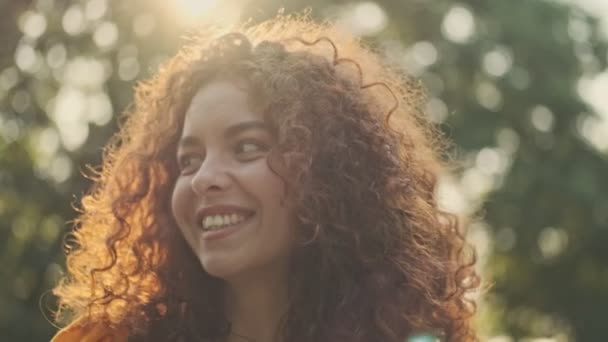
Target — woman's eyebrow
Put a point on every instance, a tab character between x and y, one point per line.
247	125
187	141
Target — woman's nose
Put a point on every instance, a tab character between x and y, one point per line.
212	176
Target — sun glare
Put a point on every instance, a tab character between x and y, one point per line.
196	6
195	9
200	12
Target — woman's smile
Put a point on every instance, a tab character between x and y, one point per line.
221	215
227	229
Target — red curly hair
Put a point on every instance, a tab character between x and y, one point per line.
377	259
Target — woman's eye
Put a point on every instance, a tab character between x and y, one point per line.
249	147
188	162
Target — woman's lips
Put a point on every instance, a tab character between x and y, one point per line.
224	209
220	233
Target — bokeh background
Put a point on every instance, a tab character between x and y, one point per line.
521	86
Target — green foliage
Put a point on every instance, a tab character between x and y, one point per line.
502	79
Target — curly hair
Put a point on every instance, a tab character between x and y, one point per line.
377	259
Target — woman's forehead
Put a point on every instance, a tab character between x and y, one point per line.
219	91
219	104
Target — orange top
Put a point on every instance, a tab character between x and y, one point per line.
90	332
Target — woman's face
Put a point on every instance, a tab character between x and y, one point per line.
227	202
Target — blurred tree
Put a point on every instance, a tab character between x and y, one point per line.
502	79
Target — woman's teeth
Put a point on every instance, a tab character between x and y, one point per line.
219	221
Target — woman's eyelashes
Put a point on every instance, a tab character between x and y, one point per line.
189	162
243	150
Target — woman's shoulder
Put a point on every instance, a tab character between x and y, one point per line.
81	331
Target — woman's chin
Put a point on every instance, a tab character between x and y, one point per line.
219	268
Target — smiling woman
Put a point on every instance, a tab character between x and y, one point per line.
270	184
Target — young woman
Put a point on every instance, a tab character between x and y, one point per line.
270	184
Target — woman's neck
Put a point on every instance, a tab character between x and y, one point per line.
255	305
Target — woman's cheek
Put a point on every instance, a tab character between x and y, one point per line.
179	201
